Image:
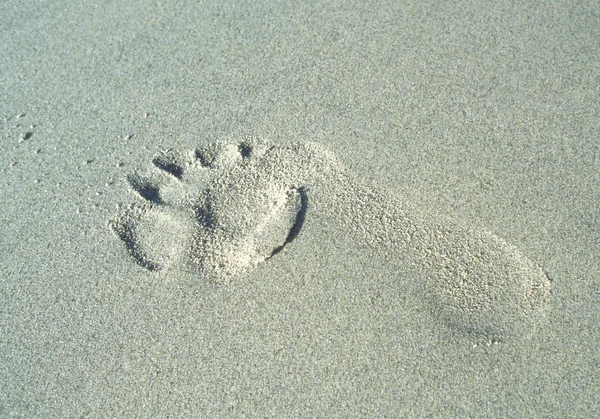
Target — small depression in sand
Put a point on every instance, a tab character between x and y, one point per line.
223	209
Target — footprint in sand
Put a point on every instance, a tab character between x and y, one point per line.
223	209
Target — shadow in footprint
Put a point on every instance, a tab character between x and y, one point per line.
295	230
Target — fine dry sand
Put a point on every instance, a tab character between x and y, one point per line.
320	209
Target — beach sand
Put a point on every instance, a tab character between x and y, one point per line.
326	209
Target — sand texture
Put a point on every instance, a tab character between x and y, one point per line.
319	209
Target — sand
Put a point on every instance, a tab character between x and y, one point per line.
320	210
